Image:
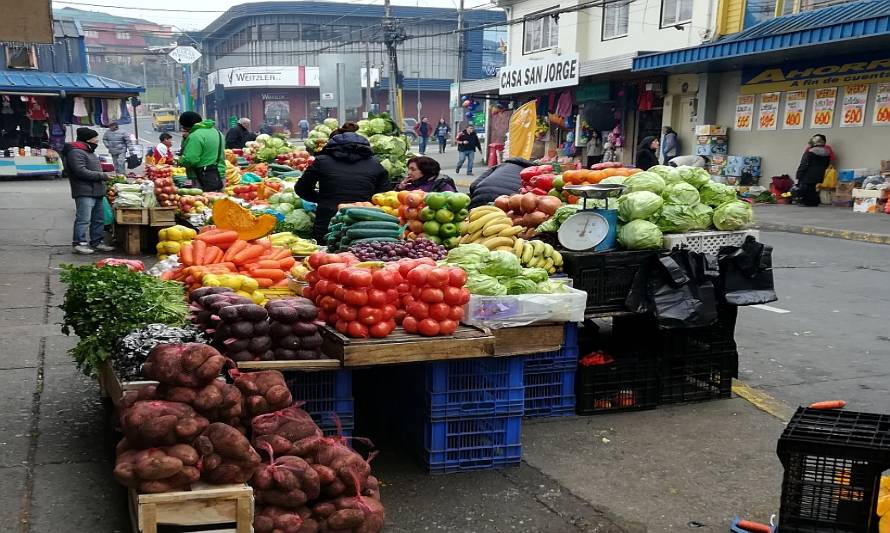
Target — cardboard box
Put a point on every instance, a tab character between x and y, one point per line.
885	165
865	205
710	129
869	193
845	187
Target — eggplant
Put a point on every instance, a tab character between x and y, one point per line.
304	329
312	342
278	330
242	329
260	344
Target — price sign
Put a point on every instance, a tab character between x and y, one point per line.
795	106
853	108
823	108
744	113
882	106
769	111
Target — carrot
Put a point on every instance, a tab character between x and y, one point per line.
265	263
253	251
221	238
186	254
234	248
828	405
200	251
264	283
281	284
273	274
280	253
215	255
754	527
287	263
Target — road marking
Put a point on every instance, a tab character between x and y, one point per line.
771	309
763	401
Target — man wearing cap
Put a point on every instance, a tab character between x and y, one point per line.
238	136
117	142
88	189
203	151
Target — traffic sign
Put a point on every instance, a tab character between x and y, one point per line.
185	55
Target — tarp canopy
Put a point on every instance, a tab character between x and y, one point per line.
73	84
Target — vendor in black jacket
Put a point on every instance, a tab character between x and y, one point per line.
345	171
502	179
239	136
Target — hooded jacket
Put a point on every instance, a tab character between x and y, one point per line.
813	165
345	171
116	142
646	157
238	136
502	179
83	170
202	148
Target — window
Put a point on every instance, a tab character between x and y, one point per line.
289	31
123	35
675	12
92	34
615	20
268	32
24	57
539	33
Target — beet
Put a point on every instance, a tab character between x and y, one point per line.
284	314
307	311
261	328
303	329
290	342
267	356
199	293
241	356
308	355
239	345
283	354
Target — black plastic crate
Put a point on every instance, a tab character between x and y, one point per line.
696	378
705	340
627	383
821	493
606	277
848	434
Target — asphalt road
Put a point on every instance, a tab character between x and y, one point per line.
148	138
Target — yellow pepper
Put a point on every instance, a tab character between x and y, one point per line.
211	280
257	297
249	284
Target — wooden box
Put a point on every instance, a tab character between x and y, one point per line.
131	216
205	504
162	216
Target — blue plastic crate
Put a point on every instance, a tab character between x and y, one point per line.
570	335
326	396
471	443
474	387
550	393
562	359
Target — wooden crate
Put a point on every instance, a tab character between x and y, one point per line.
113	388
313	365
534	338
132	237
131	215
400	347
162	216
204	505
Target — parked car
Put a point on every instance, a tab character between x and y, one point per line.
408	124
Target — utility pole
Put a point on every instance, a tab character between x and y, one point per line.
393	35
459	74
367	77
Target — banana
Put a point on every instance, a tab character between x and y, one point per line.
535	262
557	258
473	237
548	264
511	231
493	243
462	227
480	212
495	228
528	251
487	219
504	249
517	246
539	247
552	271
548	250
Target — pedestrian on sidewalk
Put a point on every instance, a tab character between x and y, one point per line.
163	152
423	175
82	168
442	132
670	144
238	137
595	149
304	128
118	144
646	157
203	152
811	171
467	144
423	129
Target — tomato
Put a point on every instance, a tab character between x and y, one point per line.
370	315
426	261
407	300
315	260
340	326
418	276
357	330
340	293
389	311
376	297
400	316
457	277
406	265
384	279
452	295
392	296
309	292
432	296
356	297
342	276
312	277
322	286
322	316
418	310
428	327
438	277
403	287
346	312
410	324
447	327
331	270
440	311
329	303
465	296
457	313
332	288
382	329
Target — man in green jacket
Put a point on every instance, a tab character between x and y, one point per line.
203	152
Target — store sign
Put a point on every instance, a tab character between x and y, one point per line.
744	113
294	76
882	106
823	108
273	96
530	76
769	111
801	76
853	106
795	106
185	55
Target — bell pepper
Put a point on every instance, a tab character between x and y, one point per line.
543	181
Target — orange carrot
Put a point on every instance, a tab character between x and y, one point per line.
754	527
264	283
221	238
273	274
215	255
253	251
287	263
828	405
265	263
282	284
280	253
200	251
234	248
186	254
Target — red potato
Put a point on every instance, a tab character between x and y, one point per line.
156	469
160	423
548	204
187	365
290	431
263	392
272	519
226	454
286	481
350	514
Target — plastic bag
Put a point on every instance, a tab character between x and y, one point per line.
523	309
829	180
522	130
746	273
108	213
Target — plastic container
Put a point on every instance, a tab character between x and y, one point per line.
849	434
629	383
550	393
471	443
327	396
696	378
524	309
474	387
708	242
606	277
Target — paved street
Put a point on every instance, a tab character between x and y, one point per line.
688	467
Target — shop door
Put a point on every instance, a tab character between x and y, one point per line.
648	124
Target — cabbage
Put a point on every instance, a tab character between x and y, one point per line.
263	138
484	285
682	218
551	287
377	125
614	180
519	285
398	145
681	193
501	264
363	124
640	235
331	123
275	142
669	174
694	176
715	194
315	134
324	129
468	256
553	223
733	215
644	181
639	205
535	274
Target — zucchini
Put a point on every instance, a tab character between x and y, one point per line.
280	168
358	233
370	214
375	224
376	239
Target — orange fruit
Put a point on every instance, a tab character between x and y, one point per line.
402	195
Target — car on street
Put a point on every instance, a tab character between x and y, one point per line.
408	124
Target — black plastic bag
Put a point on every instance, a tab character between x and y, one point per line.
746	273
678	288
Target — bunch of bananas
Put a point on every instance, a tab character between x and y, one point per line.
233	174
491	227
537	254
296	245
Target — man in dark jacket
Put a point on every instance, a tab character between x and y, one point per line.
88	189
646	157
502	179
812	169
345	171
238	136
467	144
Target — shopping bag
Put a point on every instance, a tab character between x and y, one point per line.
107	211
522	130
133	160
746	273
829	180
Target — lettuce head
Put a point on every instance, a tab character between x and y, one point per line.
644	181
640	235
733	215
681	193
639	205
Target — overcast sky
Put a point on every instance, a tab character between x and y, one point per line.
202	12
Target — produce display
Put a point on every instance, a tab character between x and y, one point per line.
528	210
298	246
538	254
155	470
355	225
171	240
149	424
388	201
434	305
132	349
496	273
389	145
192	204
298	160
393	251
436	216
162	178
263	392
243	333
266	148
319	135
293	331
490	226
226	455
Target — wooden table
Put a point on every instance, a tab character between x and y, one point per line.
313	365
534	338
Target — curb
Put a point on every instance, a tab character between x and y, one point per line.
861	236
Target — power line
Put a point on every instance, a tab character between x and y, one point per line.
141	9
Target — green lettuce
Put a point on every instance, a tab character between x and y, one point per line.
519	285
644	181
733	215
535	274
681	193
501	264
484	285
468	256
715	194
640	235
675	218
639	205
669	174
694	176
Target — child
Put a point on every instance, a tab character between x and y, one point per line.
163	152
609	154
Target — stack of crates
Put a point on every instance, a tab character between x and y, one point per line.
833	463
550	379
327	397
468	413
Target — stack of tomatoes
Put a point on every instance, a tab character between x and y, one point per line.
165	189
434	303
246	192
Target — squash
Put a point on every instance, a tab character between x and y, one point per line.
228	215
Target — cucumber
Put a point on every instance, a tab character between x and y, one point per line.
291	174
376	239
375	224
280	168
335	227
358	233
370	214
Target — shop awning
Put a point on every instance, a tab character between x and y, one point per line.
838	25
72	84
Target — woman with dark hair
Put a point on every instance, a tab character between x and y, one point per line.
646	157
347	127
423	175
811	170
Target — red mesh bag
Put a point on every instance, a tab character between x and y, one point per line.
289	431
160	423
184	365
286	481
263	392
272	519
226	455
156	470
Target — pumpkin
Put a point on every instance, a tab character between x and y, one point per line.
228	215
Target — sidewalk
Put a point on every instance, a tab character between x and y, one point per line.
671	469
824	221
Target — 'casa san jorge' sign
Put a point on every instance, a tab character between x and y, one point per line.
549	73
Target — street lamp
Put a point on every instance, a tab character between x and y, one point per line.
419	104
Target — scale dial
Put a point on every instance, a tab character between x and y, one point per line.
583	230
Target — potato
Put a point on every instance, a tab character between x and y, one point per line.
264	392
160	423
157	467
346	519
187	365
226	454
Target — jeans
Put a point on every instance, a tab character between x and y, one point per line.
442	141
89	215
467	156
422	147
120	163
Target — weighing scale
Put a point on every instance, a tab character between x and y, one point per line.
591	229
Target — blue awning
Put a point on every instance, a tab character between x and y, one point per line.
30	81
836	24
